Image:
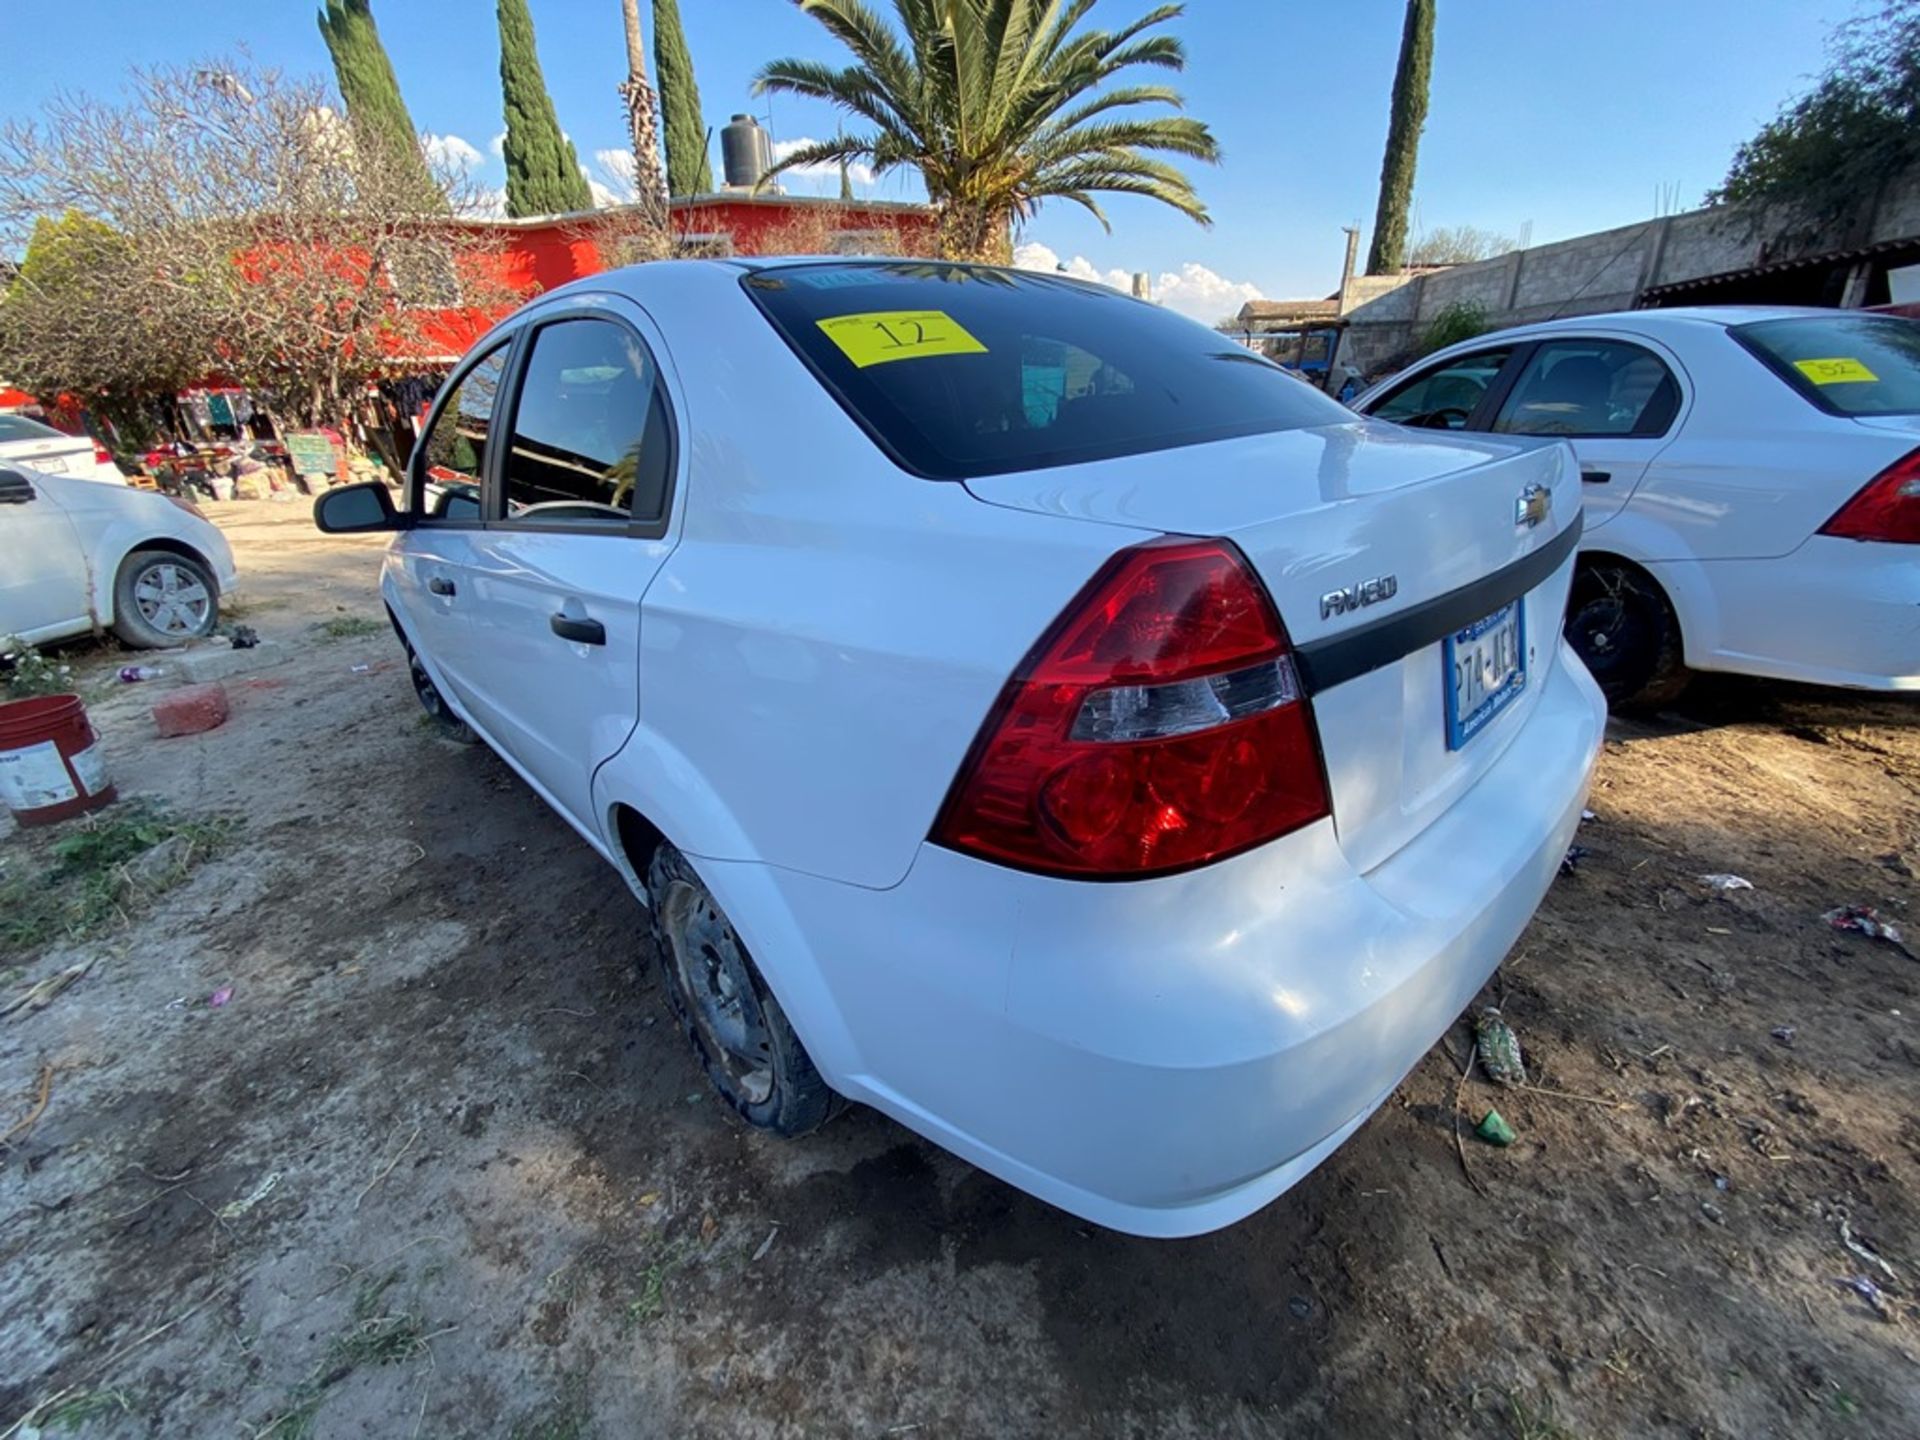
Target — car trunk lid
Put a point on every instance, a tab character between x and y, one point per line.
1375	543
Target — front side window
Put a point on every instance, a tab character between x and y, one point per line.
454	450
1591	388
958	371
1445	396
590	441
1845	364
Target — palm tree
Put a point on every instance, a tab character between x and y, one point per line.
1000	105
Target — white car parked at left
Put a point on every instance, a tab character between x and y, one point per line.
28	442
76	556
1021	709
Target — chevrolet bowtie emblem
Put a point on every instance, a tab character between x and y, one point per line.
1534	505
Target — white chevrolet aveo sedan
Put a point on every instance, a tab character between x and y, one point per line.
1021	709
1751	479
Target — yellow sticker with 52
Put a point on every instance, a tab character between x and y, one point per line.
877	336
1836	370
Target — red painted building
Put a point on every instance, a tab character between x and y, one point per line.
544	252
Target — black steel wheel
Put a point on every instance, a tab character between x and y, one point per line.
738	1030
1621	626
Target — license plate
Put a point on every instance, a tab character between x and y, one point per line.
52	464
1484	668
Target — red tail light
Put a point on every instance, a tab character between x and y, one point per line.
101	455
1157	726
1887	509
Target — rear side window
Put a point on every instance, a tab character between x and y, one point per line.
958	371
1444	397
590	439
18	427
1592	388
1846	364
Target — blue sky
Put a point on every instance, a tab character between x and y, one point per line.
1569	116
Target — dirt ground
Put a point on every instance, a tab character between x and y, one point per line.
442	1166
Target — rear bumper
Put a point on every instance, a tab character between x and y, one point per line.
1834	612
1165	1057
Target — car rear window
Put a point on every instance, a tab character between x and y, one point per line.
959	371
1845	364
18	427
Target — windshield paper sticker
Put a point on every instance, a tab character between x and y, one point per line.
878	336
1838	370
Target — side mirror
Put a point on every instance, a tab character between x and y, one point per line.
15	488
356	509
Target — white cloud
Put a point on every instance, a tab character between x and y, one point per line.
484	202
818	179
616	172
604	194
450	152
498	144
1194	290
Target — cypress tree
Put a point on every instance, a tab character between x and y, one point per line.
1388	253
372	94
688	172
543	173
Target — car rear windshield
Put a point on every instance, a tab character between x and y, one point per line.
18	427
960	371
1845	364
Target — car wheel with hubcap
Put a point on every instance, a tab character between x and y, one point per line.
1620	624
740	1033
161	599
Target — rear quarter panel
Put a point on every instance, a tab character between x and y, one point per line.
821	648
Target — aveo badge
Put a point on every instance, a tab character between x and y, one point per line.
1358	597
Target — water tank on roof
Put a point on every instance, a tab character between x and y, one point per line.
745	151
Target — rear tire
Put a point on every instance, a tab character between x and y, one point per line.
1621	625
446	724
161	599
738	1030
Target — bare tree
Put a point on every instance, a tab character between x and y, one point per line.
231	227
1459	245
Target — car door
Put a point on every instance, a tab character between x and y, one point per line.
432	566
43	565
1450	394
578	529
1619	401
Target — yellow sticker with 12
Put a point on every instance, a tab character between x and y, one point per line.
1836	370
877	336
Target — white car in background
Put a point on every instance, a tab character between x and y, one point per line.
1021	709
76	557
1751	479
28	442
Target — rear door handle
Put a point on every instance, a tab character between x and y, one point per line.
584	632
440	585
1596	477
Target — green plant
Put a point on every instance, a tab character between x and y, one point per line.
689	172
29	673
84	886
1826	154
377	1336
1411	77
1462	320
543	172
1000	105
367	83
348	627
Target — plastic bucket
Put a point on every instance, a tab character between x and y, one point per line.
50	763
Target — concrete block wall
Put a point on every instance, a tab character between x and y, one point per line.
1590	274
